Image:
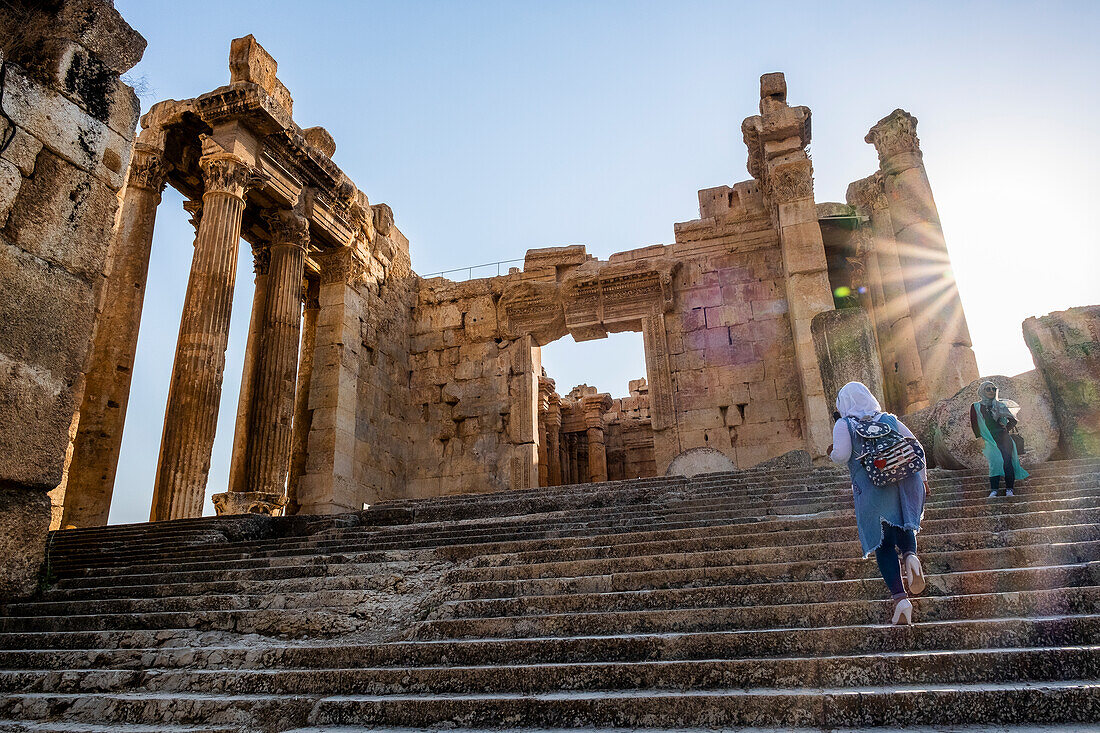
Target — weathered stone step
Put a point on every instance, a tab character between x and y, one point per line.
512	538
459	552
129	535
509	567
729	595
173	649
355	576
88	552
896	668
13	726
1002	703
833	613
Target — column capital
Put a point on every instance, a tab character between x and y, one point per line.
867	194
194	208
261	257
792	181
347	264
148	169
288	227
226	173
895	139
595	406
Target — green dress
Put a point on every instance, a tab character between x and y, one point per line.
993	452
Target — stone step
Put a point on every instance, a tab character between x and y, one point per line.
356	576
831	613
175	649
752	507
13	726
510	567
154	565
1008	703
895	668
128	543
729	595
582	532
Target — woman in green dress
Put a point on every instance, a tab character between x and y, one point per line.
992	421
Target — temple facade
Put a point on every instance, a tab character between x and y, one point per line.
365	382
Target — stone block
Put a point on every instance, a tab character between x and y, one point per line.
100	28
23	151
66	129
731	354
10	181
481	319
702	419
763	410
803	250
63	216
701	460
24	521
844	341
468	369
954	445
1065	346
769	308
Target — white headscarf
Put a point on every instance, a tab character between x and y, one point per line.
855	400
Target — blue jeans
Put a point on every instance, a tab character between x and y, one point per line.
893	541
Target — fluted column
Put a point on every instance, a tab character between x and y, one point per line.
303	415
107	386
190	420
594	408
939	323
238	463
546	387
553	432
270	430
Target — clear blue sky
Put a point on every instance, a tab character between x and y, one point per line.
496	127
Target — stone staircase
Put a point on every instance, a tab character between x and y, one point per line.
724	601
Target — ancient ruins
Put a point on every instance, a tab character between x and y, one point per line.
417	512
407	387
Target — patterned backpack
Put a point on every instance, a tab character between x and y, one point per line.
888	456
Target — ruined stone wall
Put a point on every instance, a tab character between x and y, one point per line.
630	435
64	151
729	335
466	379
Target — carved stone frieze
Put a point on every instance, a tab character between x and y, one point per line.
792	181
533	308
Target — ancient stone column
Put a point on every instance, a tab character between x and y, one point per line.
107	386
190	420
939	323
303	415
553	432
901	365
594	408
238	479
546	386
777	140
277	367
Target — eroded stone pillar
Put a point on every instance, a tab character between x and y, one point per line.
553	434
303	415
107	386
777	140
594	408
943	338
901	364
191	417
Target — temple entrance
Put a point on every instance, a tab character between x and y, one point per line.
603	405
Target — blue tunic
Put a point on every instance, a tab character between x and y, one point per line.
900	504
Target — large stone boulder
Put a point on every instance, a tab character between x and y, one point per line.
695	461
923	423
953	443
1066	348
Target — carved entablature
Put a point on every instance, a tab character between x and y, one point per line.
532	307
600	297
895	139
